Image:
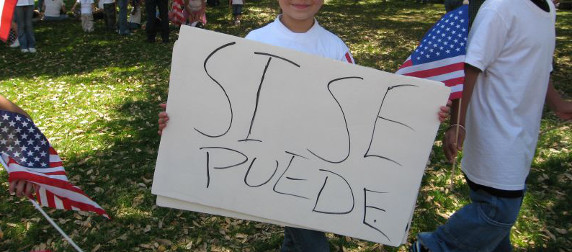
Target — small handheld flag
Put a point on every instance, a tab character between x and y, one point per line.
27	155
441	54
176	15
6	12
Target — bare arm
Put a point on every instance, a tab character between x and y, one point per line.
562	108
7	105
73	7
458	117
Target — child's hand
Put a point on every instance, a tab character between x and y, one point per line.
22	188
163	118
444	111
451	147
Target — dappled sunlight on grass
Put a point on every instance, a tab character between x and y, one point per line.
95	96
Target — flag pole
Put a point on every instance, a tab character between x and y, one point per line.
39	208
68	239
453	169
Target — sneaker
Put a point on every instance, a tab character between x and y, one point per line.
418	247
25	50
32	50
15	44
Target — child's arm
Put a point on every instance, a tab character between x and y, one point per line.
7	105
449	145
562	108
73	7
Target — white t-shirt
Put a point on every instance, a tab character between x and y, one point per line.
24	2
135	17
102	2
53	8
195	5
317	40
512	42
237	2
85	6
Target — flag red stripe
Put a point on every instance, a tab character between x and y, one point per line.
63	173
456	95
454	81
32	177
66	204
348	58
50	198
438	70
56	164
60	184
86	207
6	22
407	63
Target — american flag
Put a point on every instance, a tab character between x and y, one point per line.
441	54
27	155
6	12
176	15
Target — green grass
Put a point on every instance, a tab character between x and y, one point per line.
95	96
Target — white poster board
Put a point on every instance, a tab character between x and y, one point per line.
274	135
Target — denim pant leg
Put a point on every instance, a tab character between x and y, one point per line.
109	11
162	5
303	240
122	19
482	225
25	28
151	9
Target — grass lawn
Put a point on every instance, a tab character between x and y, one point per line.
95	96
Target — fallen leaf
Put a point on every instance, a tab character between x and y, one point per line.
561	230
96	248
165	242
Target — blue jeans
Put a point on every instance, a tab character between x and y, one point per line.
302	240
482	225
25	28
122	19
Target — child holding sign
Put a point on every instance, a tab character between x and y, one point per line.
296	28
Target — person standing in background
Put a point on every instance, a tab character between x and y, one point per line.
24	12
236	6
151	7
86	9
122	19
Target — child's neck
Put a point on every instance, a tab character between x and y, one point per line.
297	26
542	4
